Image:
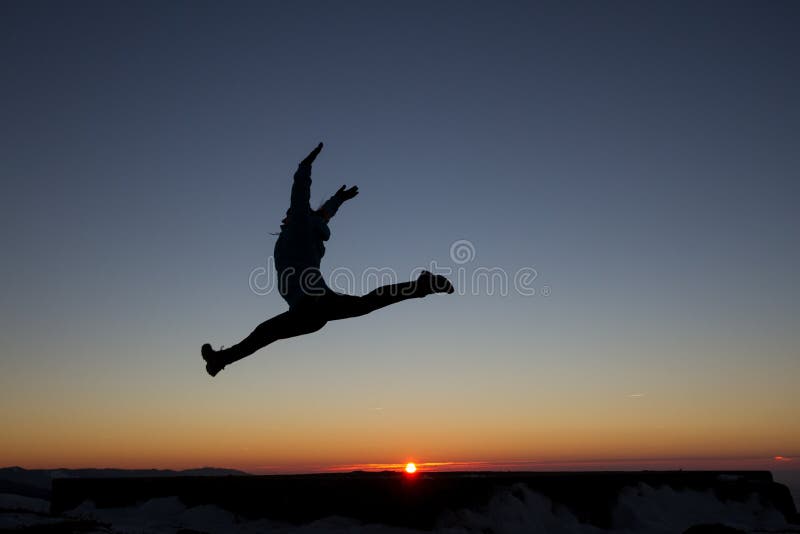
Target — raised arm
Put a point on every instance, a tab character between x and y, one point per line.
331	206
301	187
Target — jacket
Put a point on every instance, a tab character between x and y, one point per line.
301	242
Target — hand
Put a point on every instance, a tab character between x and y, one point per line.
312	156
347	194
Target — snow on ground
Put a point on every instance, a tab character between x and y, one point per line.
17	511
168	515
640	509
10	501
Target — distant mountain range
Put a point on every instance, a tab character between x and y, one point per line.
37	482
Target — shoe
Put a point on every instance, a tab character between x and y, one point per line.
433	283
213	365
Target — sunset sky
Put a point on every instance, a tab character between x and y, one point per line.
641	157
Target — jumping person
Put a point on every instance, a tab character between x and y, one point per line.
298	253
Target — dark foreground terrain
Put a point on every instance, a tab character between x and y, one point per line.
585	502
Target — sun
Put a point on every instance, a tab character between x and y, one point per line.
411	468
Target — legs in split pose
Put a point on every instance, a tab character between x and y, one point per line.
313	312
298	252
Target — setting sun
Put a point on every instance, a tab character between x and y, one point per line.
411	468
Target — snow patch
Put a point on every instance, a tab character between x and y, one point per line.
641	510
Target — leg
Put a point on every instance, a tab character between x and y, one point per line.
288	324
336	306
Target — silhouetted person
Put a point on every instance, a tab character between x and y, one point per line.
312	303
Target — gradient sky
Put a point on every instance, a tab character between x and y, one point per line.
642	157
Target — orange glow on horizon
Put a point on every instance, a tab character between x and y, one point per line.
653	463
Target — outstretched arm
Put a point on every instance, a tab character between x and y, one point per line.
301	187
331	206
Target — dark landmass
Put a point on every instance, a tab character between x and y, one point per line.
421	501
37	482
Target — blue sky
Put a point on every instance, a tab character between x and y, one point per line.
641	157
